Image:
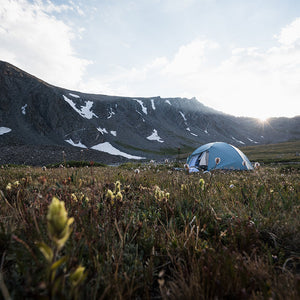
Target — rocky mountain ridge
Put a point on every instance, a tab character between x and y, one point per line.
35	113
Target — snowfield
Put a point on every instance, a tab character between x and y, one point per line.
85	111
154	137
4	130
108	148
144	108
70	141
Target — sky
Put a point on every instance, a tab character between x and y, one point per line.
241	57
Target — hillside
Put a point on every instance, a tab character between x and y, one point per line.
34	114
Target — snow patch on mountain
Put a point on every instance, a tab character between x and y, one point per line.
79	144
183	116
114	133
141	115
108	148
168	102
155	137
152	104
252	141
144	108
102	130
85	111
110	113
23	109
73	95
4	130
238	140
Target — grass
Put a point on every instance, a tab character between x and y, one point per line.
159	233
281	152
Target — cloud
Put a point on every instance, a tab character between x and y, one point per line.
189	58
37	41
248	81
290	34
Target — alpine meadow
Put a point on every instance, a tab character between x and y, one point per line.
150	230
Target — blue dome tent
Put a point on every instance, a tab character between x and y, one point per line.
206	158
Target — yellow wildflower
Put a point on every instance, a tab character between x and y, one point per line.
8	187
16	183
58	222
119	197
73	197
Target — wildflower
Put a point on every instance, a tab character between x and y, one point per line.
161	280
251	223
119	197
231	186
16	183
81	196
223	233
166	161
183	187
73	197
77	276
136	171
8	187
117	186
274	257
256	165
202	184
58	222
110	196
157	192
217	160
44	168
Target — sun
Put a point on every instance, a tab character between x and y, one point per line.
262	119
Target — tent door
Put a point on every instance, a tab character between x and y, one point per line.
203	160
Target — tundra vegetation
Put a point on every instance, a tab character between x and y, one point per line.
101	232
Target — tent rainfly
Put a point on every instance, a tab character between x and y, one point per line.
218	155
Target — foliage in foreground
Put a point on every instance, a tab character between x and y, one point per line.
151	233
